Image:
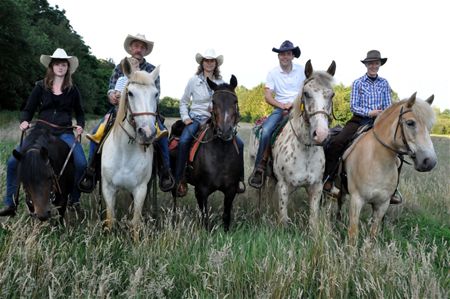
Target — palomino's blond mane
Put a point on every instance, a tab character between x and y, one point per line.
421	109
321	79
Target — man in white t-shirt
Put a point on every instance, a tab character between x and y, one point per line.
282	87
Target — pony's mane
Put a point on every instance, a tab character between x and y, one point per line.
32	168
322	78
138	77
421	109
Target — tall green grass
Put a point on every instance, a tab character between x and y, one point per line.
177	258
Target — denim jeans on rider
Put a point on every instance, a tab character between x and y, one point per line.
266	132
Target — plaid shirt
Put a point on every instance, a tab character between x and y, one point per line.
368	95
143	66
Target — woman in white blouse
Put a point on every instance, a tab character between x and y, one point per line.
198	94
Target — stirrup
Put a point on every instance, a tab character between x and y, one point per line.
251	182
87	182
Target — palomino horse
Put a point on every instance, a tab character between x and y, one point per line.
217	165
298	157
127	154
45	172
371	163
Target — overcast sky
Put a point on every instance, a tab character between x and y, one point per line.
413	35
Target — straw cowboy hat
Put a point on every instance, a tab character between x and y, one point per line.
374	55
140	37
60	54
288	46
209	54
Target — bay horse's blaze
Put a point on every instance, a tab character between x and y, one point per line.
127	155
371	164
40	162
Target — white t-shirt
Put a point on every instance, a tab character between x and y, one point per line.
286	86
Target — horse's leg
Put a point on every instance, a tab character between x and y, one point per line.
228	205
314	194
202	200
356	204
109	195
378	213
62	205
139	198
283	198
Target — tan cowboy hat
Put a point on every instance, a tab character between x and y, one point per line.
140	37
209	54
374	55
60	54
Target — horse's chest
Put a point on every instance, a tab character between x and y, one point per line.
300	165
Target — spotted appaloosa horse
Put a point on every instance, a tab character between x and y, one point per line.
298	156
371	163
127	155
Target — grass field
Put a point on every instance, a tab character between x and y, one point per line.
177	258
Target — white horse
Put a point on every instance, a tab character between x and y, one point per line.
298	156
127	153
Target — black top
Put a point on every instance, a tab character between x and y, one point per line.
55	109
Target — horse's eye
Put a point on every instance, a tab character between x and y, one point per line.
130	94
411	123
332	95
306	94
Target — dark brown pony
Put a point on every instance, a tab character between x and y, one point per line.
216	166
41	159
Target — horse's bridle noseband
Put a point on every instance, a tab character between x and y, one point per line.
400	123
238	118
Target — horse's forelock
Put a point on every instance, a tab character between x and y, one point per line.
33	168
322	79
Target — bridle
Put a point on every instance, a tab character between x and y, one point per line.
400	124
130	117
307	116
214	122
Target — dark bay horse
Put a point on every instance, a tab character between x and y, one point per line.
41	161
217	166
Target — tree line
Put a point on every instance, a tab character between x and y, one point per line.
30	28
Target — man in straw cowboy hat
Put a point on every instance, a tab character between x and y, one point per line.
283	84
56	99
138	47
371	94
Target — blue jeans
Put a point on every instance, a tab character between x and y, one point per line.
184	146
266	132
92	145
79	161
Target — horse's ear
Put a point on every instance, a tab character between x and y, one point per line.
332	68
233	82
411	100
430	99
126	67
211	84
308	69
155	73
17	154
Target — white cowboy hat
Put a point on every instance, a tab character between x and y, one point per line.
140	37
209	54
60	54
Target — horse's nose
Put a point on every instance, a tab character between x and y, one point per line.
43	216
319	135
146	135
427	164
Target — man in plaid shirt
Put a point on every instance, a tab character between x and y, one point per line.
370	95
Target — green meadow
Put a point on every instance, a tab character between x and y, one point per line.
177	258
